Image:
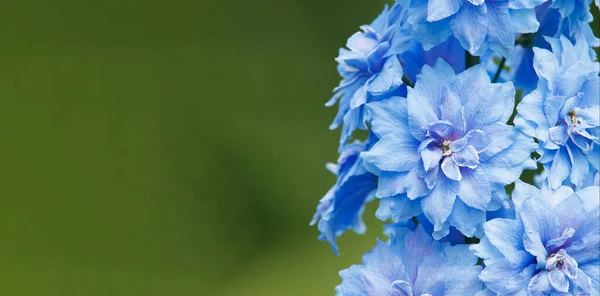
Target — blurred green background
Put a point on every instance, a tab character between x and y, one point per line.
170	147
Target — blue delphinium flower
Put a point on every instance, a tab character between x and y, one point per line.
370	69
449	138
575	16
411	263
373	66
478	24
550	249
519	67
563	112
341	208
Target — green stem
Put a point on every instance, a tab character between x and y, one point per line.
470	60
500	67
414	219
407	81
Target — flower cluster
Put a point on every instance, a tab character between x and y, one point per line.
465	100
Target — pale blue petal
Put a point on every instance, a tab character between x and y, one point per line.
389	119
539	284
582	284
501	137
389	79
474	189
415	186
393	155
437	206
561	168
398	208
537	216
501	33
467	157
432	34
505	235
470	26
440	9
451	169
533	244
520	4
559	134
524	20
391	183
579	168
451	110
466	219
558	280
506	278
485	250
546	66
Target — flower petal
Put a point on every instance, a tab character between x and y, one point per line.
451	169
560	169
437	206
388	80
558	280
470	26
474	189
440	9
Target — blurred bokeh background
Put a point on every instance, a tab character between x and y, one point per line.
170	147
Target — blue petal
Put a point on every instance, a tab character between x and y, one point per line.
533	244
451	110
437	206
359	98
467	157
524	21
388	80
389	119
483	102
559	134
546	66
486	251
506	278
359	43
393	155
432	283
558	280
505	235
531	107
441	128
451	169
501	33
582	283
539	284
391	183
561	167
537	216
415	186
470	26
579	168
440	9
552	107
501	137
431	157
466	219
474	189
432	34
398	208
520	4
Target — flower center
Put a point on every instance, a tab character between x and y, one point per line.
573	116
446	148
554	261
